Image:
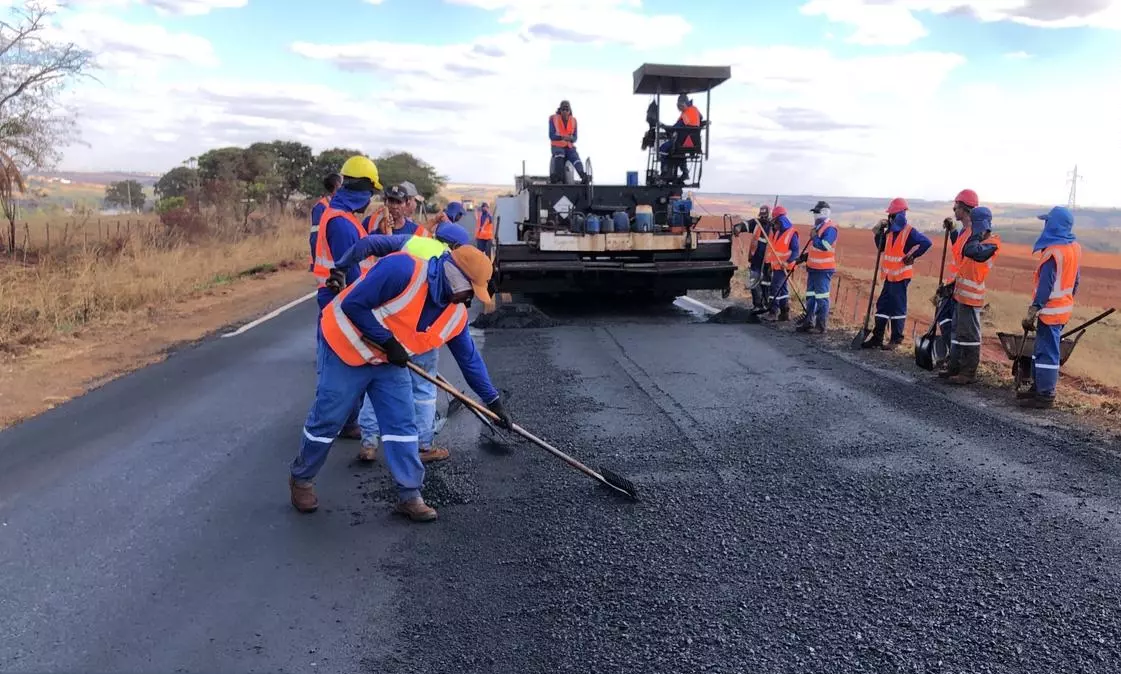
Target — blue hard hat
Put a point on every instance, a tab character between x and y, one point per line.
452	234
454	211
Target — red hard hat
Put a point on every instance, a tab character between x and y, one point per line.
897	205
968	197
780	210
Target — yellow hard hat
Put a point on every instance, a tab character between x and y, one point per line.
361	167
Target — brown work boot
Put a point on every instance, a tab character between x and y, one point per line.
1025	394
368	453
416	510
351	433
891	346
1037	402
431	454
303	495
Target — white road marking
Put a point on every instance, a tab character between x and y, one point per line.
272	314
702	305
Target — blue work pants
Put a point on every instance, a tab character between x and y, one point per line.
780	293
355	416
424	403
1045	359
570	155
892	307
339	390
484	245
817	296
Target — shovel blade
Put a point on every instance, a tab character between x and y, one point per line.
858	340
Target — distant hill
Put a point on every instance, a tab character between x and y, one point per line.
101	178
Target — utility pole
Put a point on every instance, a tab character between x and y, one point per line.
1073	178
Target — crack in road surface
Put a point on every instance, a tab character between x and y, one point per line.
800	513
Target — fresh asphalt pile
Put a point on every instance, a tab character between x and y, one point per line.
798	515
515	316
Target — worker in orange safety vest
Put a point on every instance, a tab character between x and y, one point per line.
405	305
331	184
1056	282
484	231
977	255
562	139
901	244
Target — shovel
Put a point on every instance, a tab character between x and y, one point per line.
858	340
487	423
608	478
924	346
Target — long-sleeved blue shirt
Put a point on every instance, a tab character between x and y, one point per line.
376	245
387	280
916	244
782	223
553	135
316	213
341	235
823	241
759	256
1046	284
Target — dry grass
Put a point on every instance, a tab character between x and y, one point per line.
89	279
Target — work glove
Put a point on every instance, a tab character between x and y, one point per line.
946	291
337	281
1029	321
394	352
803	257
882	227
948	224
499	410
908	259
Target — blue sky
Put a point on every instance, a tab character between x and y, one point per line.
835	97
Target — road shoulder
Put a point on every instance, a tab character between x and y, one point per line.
73	365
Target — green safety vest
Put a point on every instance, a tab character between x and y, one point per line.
424	248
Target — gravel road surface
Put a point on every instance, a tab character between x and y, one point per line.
800	512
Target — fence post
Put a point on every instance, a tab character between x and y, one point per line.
48	236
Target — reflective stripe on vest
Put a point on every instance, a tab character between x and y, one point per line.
324	261
823	259
485	230
1060	303
563	129
969	286
893	268
781	248
957	254
399	316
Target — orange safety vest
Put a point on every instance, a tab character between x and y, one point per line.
399	315
324	261
781	249
1060	304
969	286
956	254
822	259
325	202
485	230
893	268
563	129
690	116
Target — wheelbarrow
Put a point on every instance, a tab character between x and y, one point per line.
1019	349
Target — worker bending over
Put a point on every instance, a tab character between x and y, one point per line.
1056	283
402	307
978	253
759	271
821	263
562	138
782	256
448	236
484	231
338	230
901	244
331	184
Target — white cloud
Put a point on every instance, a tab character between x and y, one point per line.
166	7
119	45
1017	55
894	22
587	21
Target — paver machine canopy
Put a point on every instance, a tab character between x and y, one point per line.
675	155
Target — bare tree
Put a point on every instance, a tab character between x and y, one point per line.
34	126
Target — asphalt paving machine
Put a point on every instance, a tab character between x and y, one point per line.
558	237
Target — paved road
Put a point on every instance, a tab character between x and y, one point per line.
800	514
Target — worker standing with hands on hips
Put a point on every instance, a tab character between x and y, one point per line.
901	244
821	263
783	253
402	307
978	253
484	232
448	236
1056	282
339	229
